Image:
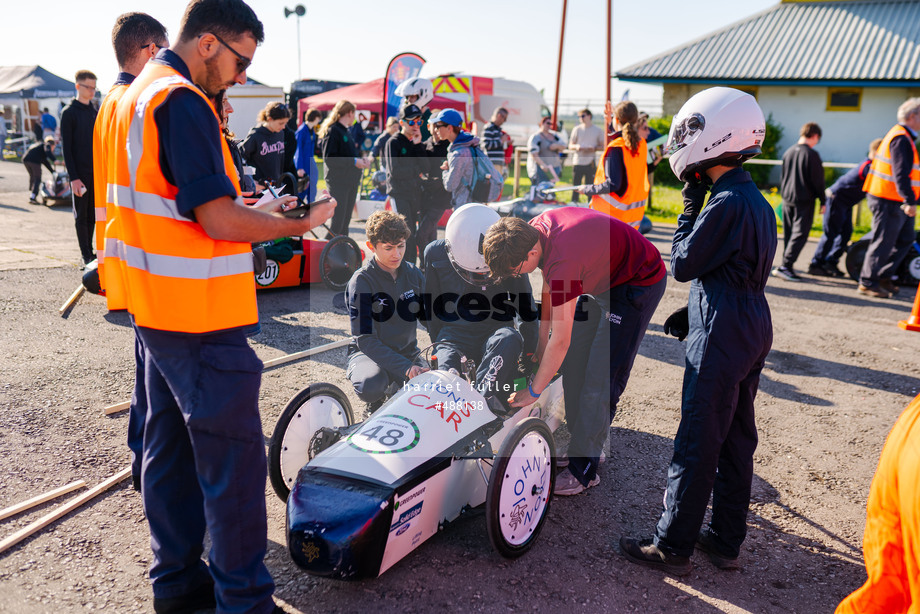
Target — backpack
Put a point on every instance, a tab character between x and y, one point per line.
486	184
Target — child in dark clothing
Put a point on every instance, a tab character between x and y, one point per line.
36	155
384	348
263	148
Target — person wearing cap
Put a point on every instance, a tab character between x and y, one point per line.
404	159
460	168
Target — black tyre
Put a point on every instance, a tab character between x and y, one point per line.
856	253
520	488
909	273
312	408
338	261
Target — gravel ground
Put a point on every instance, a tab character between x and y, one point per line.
839	375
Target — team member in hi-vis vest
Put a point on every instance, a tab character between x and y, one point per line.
136	37
178	250
621	182
892	191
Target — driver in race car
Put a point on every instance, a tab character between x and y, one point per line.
384	349
481	328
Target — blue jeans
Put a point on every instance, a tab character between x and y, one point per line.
838	228
204	467
593	380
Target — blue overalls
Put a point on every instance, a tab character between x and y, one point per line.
727	252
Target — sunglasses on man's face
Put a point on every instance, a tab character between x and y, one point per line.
439	126
413	122
242	62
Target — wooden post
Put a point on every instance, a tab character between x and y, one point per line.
517	172
565	4
63	510
48	496
73	299
291	357
114	409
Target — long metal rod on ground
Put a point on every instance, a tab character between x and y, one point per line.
63	510
73	299
297	356
114	409
48	496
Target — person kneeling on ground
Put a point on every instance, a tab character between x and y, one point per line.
602	281
384	349
38	154
838	217
456	267
725	250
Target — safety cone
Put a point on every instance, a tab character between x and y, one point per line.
913	322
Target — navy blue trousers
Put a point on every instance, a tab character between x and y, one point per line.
204	467
596	367
892	235
137	412
730	336
496	357
838	228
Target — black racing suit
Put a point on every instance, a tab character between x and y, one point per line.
472	324
727	252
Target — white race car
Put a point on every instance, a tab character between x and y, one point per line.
361	497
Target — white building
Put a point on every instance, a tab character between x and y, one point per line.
845	64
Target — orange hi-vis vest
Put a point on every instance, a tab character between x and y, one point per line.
170	273
891	543
102	146
880	180
630	207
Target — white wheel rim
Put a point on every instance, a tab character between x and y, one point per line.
525	489
914	267
315	413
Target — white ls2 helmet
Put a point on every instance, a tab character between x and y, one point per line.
720	125
465	232
416	86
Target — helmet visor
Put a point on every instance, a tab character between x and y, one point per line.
476	277
685	133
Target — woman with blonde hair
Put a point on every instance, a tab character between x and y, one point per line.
342	164
621	183
263	147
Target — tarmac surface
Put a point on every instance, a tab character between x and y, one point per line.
840	373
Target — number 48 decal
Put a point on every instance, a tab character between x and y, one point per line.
386	435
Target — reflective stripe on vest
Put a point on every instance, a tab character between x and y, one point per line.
880	181
103	143
630	206
169	273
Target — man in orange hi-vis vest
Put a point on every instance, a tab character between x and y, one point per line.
621	183
891	544
178	251
136	38
892	190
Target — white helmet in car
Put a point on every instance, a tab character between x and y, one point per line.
465	232
719	125
416	86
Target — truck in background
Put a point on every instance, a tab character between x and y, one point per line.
483	95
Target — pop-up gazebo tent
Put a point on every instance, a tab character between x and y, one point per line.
29	88
366	97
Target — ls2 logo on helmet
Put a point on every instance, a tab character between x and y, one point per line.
717	143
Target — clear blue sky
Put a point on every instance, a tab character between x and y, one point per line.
354	40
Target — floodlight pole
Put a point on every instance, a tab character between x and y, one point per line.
299	69
298	11
565	4
609	58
